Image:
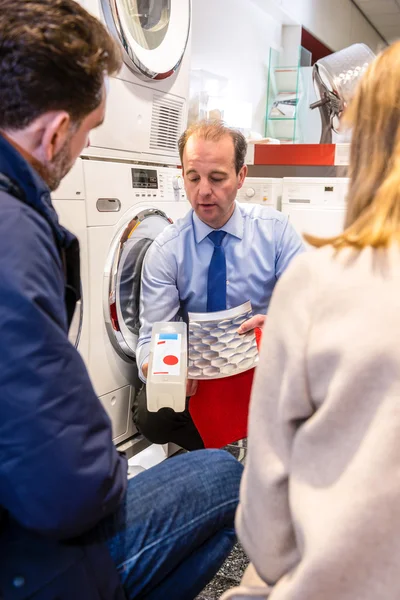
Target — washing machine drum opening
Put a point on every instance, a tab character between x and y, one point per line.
153	34
130	283
125	278
149	20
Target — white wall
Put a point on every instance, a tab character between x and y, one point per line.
232	38
337	23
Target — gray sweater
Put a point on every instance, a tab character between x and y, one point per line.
320	498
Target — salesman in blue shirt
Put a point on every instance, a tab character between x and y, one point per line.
218	256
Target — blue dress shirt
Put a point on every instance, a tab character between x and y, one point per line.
259	245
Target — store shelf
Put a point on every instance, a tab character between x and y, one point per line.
294	154
307	155
282	97
285	69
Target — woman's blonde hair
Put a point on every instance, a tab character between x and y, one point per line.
373	212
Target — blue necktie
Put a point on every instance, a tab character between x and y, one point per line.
216	287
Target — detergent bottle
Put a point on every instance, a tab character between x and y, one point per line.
167	374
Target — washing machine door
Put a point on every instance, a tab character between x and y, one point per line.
123	274
153	33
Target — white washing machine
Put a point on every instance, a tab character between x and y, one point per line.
147	100
121	208
315	205
69	202
261	190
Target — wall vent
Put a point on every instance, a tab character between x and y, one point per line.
166	123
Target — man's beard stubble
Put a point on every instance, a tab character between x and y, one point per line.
59	166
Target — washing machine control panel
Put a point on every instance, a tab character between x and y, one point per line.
157	183
146	179
261	190
315	191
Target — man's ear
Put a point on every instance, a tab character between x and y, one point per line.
55	132
242	176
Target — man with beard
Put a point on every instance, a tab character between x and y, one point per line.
71	525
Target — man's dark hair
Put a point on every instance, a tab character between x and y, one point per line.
53	56
214	131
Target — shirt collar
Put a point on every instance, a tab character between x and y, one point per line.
234	226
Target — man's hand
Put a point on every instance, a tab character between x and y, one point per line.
256	321
191	384
191	387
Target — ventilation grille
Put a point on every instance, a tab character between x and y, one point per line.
166	123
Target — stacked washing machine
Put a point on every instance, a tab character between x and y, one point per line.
315	205
126	188
147	102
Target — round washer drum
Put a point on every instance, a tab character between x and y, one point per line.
153	33
123	278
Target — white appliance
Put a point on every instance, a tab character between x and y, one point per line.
315	205
123	208
69	202
261	190
147	100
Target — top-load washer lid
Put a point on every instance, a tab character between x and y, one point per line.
152	33
123	277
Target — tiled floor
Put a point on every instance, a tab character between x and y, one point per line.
232	570
228	576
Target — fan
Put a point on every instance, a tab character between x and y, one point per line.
335	78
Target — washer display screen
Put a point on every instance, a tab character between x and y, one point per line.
144	178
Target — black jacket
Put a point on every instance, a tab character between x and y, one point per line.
60	473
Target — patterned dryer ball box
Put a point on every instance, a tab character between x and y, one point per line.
215	348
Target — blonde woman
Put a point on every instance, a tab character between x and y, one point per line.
320	500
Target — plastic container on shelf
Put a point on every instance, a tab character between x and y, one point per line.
167	374
207	96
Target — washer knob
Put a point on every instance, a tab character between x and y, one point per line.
250	192
177	182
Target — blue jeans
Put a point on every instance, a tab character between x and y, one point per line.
176	525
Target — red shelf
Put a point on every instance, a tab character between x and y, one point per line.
295	154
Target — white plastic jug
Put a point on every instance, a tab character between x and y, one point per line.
167	374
